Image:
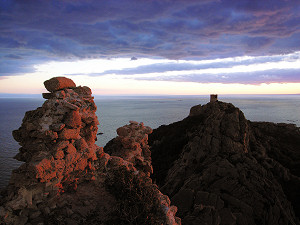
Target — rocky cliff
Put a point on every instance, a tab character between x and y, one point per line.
67	179
219	168
215	166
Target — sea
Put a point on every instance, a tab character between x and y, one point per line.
153	111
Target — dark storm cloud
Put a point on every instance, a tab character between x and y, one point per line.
12	56
171	29
17	65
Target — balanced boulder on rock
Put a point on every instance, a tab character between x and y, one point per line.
59	83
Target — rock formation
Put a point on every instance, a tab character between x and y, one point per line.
132	145
219	168
216	166
67	179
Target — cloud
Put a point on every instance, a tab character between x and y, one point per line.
163	66
246	69
20	61
69	30
12	56
255	78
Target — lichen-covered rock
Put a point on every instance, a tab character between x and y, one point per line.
132	145
68	179
58	83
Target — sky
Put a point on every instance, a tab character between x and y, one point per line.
152	47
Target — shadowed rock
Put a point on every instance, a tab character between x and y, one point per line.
219	168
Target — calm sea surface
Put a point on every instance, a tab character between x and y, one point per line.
114	112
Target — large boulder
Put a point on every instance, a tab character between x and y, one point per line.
59	83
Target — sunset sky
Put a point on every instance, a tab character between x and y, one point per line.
147	47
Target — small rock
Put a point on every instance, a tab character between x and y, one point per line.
34	215
47	95
60	94
81	145
196	110
133	122
70	149
72	221
183	200
60	145
67	134
46	210
59	154
21	220
57	127
227	218
70	105
73	119
123	131
84	91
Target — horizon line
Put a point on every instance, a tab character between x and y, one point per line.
26	95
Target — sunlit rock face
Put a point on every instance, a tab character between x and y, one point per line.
58	139
68	179
219	168
132	145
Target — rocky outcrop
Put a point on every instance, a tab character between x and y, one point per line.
279	143
215	165
58	139
132	145
67	179
219	168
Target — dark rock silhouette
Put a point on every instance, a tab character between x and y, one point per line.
219	168
67	179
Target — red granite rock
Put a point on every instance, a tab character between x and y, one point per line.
59	154
58	83
73	119
66	177
67	134
47	95
132	145
71	149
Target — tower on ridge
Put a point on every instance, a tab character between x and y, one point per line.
213	98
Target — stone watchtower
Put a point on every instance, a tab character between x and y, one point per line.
213	98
